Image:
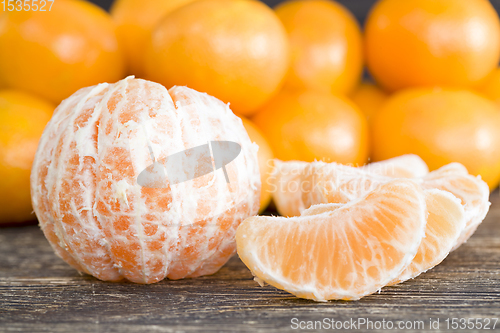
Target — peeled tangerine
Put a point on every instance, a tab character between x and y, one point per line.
85	190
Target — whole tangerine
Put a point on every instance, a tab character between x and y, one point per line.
441	126
22	120
234	50
54	53
311	125
418	43
102	220
325	45
135	21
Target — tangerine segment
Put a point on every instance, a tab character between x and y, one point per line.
445	224
346	253
285	180
298	185
45	167
404	166
286	184
472	192
101	221
321	208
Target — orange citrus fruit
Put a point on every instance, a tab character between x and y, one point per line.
22	120
441	126
182	222
369	98
491	86
312	125
297	186
54	53
266	156
432	42
135	20
234	50
346	253
325	45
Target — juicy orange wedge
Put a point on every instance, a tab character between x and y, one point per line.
346	252
445	223
472	192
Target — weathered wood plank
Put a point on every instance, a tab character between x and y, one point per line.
40	293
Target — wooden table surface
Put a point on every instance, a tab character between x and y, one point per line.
41	293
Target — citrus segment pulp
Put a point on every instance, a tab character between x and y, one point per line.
445	223
346	253
404	166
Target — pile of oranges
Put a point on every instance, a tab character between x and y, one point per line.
293	74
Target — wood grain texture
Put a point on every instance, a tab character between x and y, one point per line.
41	293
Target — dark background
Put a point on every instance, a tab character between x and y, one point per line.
360	8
